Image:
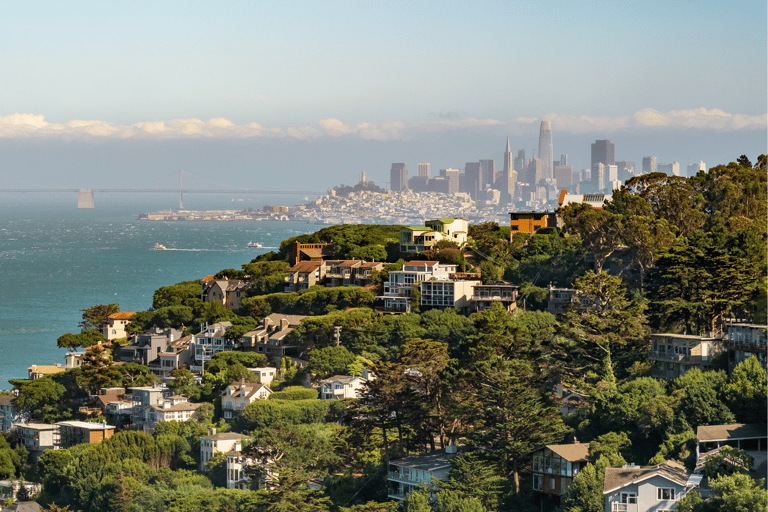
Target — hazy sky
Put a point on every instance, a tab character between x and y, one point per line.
268	94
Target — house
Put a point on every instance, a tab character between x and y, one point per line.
303	275
36	437
176	354
174	408
399	287
223	442
9	488
486	295
447	294
674	354
237	478
415	239
750	437
409	473
236	397
571	399
341	386
530	222
147	345
23	506
209	341
559	300
633	488
310	252
37	371
227	292
744	340
266	375
555	465
270	337
594	200
340	272
116	324
141	399
71	433
361	275
8	412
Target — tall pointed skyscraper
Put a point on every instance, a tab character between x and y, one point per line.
508	177
545	149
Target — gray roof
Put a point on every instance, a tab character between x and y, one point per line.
616	478
709	433
23	506
226	436
431	461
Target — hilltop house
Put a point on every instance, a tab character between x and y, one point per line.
116	324
223	442
303	275
227	292
341	386
415	239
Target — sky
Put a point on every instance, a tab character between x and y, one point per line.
289	95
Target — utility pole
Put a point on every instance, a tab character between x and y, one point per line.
337	334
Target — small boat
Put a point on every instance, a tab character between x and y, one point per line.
159	247
255	244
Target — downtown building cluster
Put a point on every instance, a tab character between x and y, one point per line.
533	182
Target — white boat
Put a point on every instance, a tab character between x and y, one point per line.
159	247
255	244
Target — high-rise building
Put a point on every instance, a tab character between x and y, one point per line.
487	173
520	162
649	164
424	169
564	175
672	169
452	175
603	152
472	179
626	170
398	177
545	149
508	180
693	169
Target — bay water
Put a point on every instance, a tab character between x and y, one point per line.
56	259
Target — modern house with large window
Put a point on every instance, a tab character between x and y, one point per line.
674	354
414	239
399	288
555	465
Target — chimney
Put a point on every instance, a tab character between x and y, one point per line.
283	323
211	431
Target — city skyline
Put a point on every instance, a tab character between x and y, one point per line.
272	93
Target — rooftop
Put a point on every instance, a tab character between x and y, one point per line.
431	461
708	433
616	478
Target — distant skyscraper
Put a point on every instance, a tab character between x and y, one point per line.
563	175
520	162
649	164
452	175
508	179
424	169
398	177
545	149
472	178
603	152
488	173
693	169
672	169
626	170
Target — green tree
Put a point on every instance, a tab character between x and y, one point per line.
96	317
746	391
40	398
86	338
585	494
738	493
332	360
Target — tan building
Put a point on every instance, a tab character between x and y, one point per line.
674	354
116	324
36	437
223	442
530	222
37	371
82	432
414	239
485	295
228	292
270	337
303	275
447	294
236	397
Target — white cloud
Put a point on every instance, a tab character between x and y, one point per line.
35	125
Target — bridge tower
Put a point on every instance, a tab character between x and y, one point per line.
181	198
85	199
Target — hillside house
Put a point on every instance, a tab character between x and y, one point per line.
415	239
223	442
674	354
342	386
486	295
554	466
116	324
303	275
270	338
656	488
409	473
147	345
71	433
743	340
210	341
227	292
529	222
399	287
8	413
236	397
447	294
37	371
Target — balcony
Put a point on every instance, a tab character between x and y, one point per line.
678	358
745	346
623	507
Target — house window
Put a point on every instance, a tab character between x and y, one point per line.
629	497
551	483
537	483
665	493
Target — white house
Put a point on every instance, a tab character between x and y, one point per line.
223	442
341	386
237	396
398	289
409	473
656	488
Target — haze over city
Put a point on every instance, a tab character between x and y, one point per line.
301	95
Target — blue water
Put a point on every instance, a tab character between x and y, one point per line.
56	260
